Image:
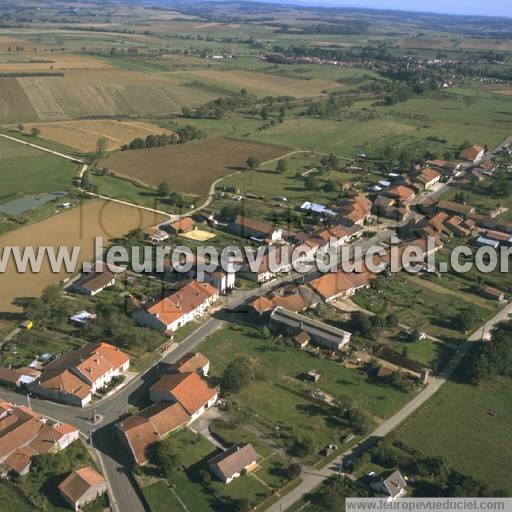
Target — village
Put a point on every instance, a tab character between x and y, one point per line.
318	315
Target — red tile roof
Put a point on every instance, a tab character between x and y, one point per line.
186	299
189	389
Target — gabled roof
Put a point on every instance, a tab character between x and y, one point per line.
427	175
400	192
186	299
150	426
184	224
395	484
189	389
191	362
96	281
64	381
93	361
246	225
234	460
471	152
80	482
332	284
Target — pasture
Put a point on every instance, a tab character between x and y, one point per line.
190	168
262	83
83	135
457	418
25	170
76	227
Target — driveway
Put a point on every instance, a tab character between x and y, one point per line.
201	426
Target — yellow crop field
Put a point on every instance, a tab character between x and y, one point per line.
83	134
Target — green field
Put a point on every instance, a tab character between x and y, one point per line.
278	396
470	427
26	170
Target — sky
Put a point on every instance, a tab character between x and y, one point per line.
478	7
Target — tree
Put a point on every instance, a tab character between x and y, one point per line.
35	132
163	189
392	320
312	183
413	335
21	128
237	375
51	294
294	470
101	146
228	213
361	323
466	319
252	163
330	186
281	166
168	457
469	100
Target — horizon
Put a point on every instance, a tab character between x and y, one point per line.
499	8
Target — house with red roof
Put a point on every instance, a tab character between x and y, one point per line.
75	376
189	389
189	302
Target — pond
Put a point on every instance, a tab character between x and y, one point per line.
24	204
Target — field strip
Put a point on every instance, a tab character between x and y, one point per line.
170	216
67	157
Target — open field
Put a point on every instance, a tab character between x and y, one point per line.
277	397
189	168
25	170
49	62
88	93
264	84
461	416
83	134
76	227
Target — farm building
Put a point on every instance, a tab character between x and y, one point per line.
92	284
246	227
322	334
184	225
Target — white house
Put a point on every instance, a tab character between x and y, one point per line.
186	304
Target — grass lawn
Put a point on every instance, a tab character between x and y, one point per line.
273	467
26	170
195	452
30	344
470	427
160	498
12	499
279	397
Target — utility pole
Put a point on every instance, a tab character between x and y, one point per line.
28	400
